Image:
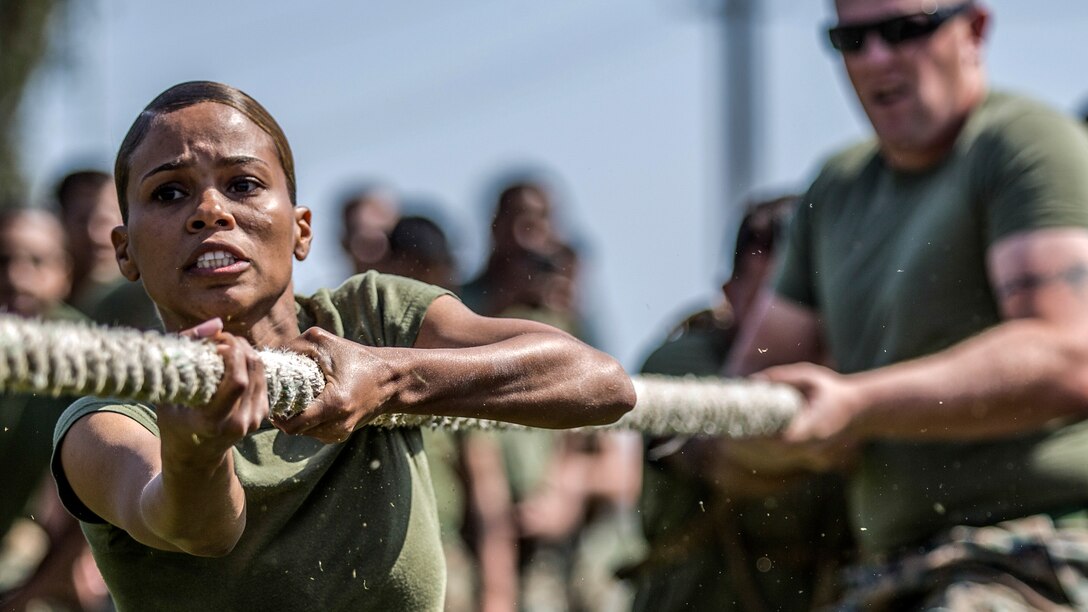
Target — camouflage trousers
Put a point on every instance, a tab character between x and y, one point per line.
1031	563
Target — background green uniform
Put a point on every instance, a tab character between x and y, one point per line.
710	552
347	526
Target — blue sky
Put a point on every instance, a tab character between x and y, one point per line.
619	100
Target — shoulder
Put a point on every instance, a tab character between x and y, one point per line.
126	303
847	163
140	412
64	312
373	308
1010	123
698	345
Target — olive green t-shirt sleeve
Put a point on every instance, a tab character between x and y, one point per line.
1032	171
371	308
141	413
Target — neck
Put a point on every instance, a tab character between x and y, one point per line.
917	159
263	325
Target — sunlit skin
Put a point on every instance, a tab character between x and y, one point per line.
35	271
206	179
918	93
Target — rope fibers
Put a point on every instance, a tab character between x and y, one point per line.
58	358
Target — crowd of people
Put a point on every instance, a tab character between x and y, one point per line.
925	295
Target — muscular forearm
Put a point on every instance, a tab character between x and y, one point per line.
536	379
196	506
1016	377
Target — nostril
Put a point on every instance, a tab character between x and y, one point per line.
198	225
221	222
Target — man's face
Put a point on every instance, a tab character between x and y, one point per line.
526	226
918	92
92	216
367	233
34	265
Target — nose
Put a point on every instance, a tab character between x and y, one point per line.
212	211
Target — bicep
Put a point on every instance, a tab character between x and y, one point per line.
779	331
1042	274
450	324
109	460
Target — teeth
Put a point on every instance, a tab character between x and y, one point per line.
215	259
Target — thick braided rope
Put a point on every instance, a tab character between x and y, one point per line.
78	359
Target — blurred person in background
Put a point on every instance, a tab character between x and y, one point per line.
574	494
88	207
44	561
474	510
369	213
940	269
730	548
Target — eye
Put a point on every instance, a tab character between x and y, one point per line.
167	193
245	185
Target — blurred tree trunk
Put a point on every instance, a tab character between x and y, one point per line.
24	33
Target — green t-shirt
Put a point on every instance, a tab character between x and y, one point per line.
895	265
125	304
26	430
347	526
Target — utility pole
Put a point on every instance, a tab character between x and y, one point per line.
740	99
736	120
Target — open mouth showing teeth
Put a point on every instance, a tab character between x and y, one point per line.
215	259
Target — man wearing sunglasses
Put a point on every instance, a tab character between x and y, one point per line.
940	270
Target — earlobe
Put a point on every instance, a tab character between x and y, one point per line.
303	232
119	236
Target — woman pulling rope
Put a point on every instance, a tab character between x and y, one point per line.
226	507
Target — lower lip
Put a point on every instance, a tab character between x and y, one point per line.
235	268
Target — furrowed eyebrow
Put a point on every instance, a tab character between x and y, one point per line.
167	167
226	162
240	160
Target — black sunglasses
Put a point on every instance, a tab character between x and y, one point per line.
851	38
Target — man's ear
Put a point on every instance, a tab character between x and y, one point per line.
119	236
980	24
304	232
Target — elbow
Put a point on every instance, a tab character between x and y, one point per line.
617	396
209	542
210	548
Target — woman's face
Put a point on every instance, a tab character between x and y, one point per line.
211	228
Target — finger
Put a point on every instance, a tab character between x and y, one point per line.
312	416
207	329
232	386
256	394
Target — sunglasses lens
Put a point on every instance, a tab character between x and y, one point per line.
847	39
908	28
851	38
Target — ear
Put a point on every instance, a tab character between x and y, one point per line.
119	236
979	24
304	232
